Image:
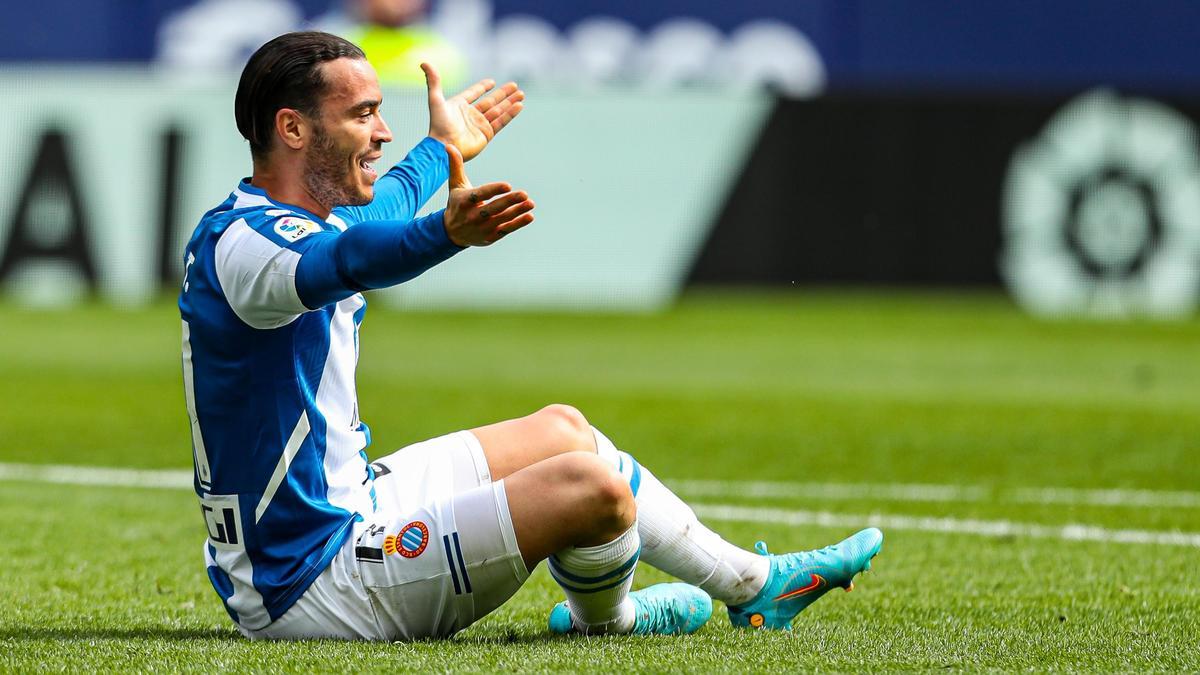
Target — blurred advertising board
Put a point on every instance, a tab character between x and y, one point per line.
103	174
1083	205
1087	204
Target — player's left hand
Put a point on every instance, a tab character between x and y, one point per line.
470	120
481	216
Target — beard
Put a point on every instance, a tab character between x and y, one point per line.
326	176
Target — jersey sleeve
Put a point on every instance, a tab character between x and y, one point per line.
256	267
372	254
405	188
279	268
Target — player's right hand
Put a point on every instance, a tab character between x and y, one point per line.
479	216
470	120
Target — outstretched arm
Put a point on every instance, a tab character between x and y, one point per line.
376	254
373	254
275	269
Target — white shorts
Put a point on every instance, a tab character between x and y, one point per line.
438	554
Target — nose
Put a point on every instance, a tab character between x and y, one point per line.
382	134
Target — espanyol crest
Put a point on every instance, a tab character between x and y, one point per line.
1101	212
410	542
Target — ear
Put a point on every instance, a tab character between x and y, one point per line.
292	128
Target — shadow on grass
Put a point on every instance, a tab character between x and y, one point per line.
32	634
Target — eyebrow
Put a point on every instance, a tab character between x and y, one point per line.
365	105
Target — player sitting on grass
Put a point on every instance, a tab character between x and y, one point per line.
306	537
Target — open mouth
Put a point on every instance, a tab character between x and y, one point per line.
365	164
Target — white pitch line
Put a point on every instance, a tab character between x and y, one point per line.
902	492
1073	496
906	492
182	480
924	492
986	528
171	479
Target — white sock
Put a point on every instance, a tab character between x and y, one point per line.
596	580
676	542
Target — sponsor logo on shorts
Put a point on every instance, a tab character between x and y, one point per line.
411	541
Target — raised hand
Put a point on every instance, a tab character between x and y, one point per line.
480	216
470	120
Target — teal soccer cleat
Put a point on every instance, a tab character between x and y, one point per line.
662	609
796	580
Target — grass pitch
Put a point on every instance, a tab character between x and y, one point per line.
943	409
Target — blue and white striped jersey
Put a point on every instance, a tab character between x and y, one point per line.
271	307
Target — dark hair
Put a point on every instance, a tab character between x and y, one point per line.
284	73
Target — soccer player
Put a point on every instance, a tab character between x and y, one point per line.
306	537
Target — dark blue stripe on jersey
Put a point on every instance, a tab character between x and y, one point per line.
450	562
556	566
461	564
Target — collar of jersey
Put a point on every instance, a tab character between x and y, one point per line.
245	186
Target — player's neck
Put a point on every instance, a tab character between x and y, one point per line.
287	187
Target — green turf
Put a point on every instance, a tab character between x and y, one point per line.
841	387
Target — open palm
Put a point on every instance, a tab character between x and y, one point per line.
472	118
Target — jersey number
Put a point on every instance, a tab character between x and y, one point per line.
223	518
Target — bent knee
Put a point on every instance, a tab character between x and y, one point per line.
568	426
602	488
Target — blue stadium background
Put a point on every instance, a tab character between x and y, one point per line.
1001	44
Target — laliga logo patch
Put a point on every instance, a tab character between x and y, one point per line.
294	229
411	541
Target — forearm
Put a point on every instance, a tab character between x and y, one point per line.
374	254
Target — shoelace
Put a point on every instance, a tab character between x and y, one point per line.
656	616
789	562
